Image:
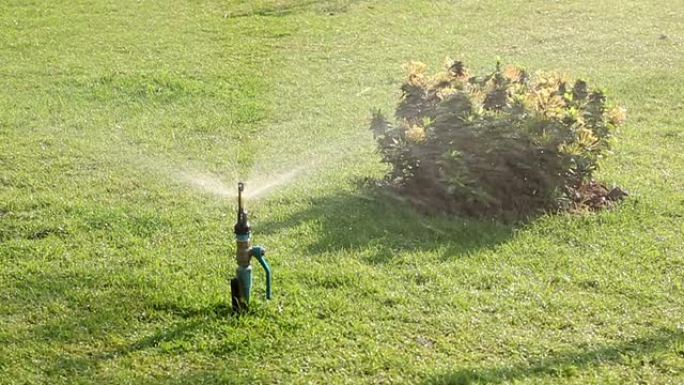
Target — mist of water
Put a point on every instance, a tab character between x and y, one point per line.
268	176
266	185
257	186
205	182
265	176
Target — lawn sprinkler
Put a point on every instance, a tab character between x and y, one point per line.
241	285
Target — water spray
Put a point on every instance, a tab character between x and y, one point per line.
241	285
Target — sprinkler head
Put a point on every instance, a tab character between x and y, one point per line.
241	285
242	225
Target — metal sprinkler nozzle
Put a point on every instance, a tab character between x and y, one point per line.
241	188
242	224
241	285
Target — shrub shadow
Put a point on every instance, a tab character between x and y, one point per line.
564	364
379	224
292	8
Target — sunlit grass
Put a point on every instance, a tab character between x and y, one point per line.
115	270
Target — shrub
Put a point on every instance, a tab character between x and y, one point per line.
504	143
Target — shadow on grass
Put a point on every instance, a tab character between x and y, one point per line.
84	308
560	365
283	8
566	364
380	224
171	338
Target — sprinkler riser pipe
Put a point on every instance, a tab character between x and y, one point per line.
241	285
242	256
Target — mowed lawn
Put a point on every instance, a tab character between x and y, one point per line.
117	118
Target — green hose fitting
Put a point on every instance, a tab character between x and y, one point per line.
259	253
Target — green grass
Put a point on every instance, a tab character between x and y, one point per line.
114	271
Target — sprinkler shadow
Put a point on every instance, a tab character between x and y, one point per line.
187	322
379	225
117	313
565	364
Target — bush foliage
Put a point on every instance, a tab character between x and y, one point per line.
503	143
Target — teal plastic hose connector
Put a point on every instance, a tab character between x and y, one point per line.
259	253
